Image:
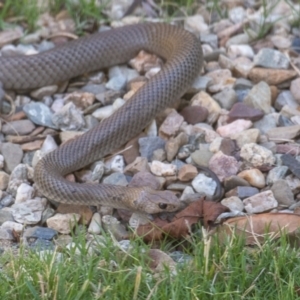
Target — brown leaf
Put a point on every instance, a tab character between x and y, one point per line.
180	225
256	228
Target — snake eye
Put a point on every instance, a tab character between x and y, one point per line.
162	205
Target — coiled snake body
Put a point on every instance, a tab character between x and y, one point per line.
183	55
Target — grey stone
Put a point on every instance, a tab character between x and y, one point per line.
270	58
19	127
283	193
149	144
39	114
116	179
12	154
226	98
276	173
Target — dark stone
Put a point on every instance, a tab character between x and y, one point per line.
194	114
149	144
243	111
292	163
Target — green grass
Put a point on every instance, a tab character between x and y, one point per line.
232	271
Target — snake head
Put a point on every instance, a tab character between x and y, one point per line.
153	202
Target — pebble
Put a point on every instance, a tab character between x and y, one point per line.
95	225
12	154
226	98
44	92
30	211
171	125
63	223
243	111
285	98
246	137
205	100
114	227
254	176
161	169
276	173
116	179
6	234
194	114
200	84
116	164
39	114
270	58
6	215
233	203
173	144
68	135
292	163
266	123
271	76
149	144
204	185
69	117
283	193
38	232
103	112
187	172
234	181
145	179
294	88
19	127
202	157
4	179
196	24
140	164
80	99
281	134
13	226
223	165
234	128
260	97
161	155
259	203
24	192
257	155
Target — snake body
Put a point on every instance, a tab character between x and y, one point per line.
183	55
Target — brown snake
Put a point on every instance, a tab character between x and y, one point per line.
183	55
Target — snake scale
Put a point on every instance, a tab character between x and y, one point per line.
183	55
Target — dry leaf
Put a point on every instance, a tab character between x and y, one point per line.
256	228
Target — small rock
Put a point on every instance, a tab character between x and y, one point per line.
260	202
161	169
139	165
81	99
283	193
149	144
95	225
6	234
205	100
39	114
69	118
271	76
266	123
270	58
223	165
276	174
116	164
260	97
171	125
4	179
160	154
173	144
116	179
63	223
281	134
295	89
145	179
103	112
233	203
12	154
240	50
254	176
234	181
13	226
226	98
24	192
221	79
113	226
194	114
19	127
243	111
205	185
10	35
285	98
187	172
44	91
234	128
257	156
68	135
40	233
